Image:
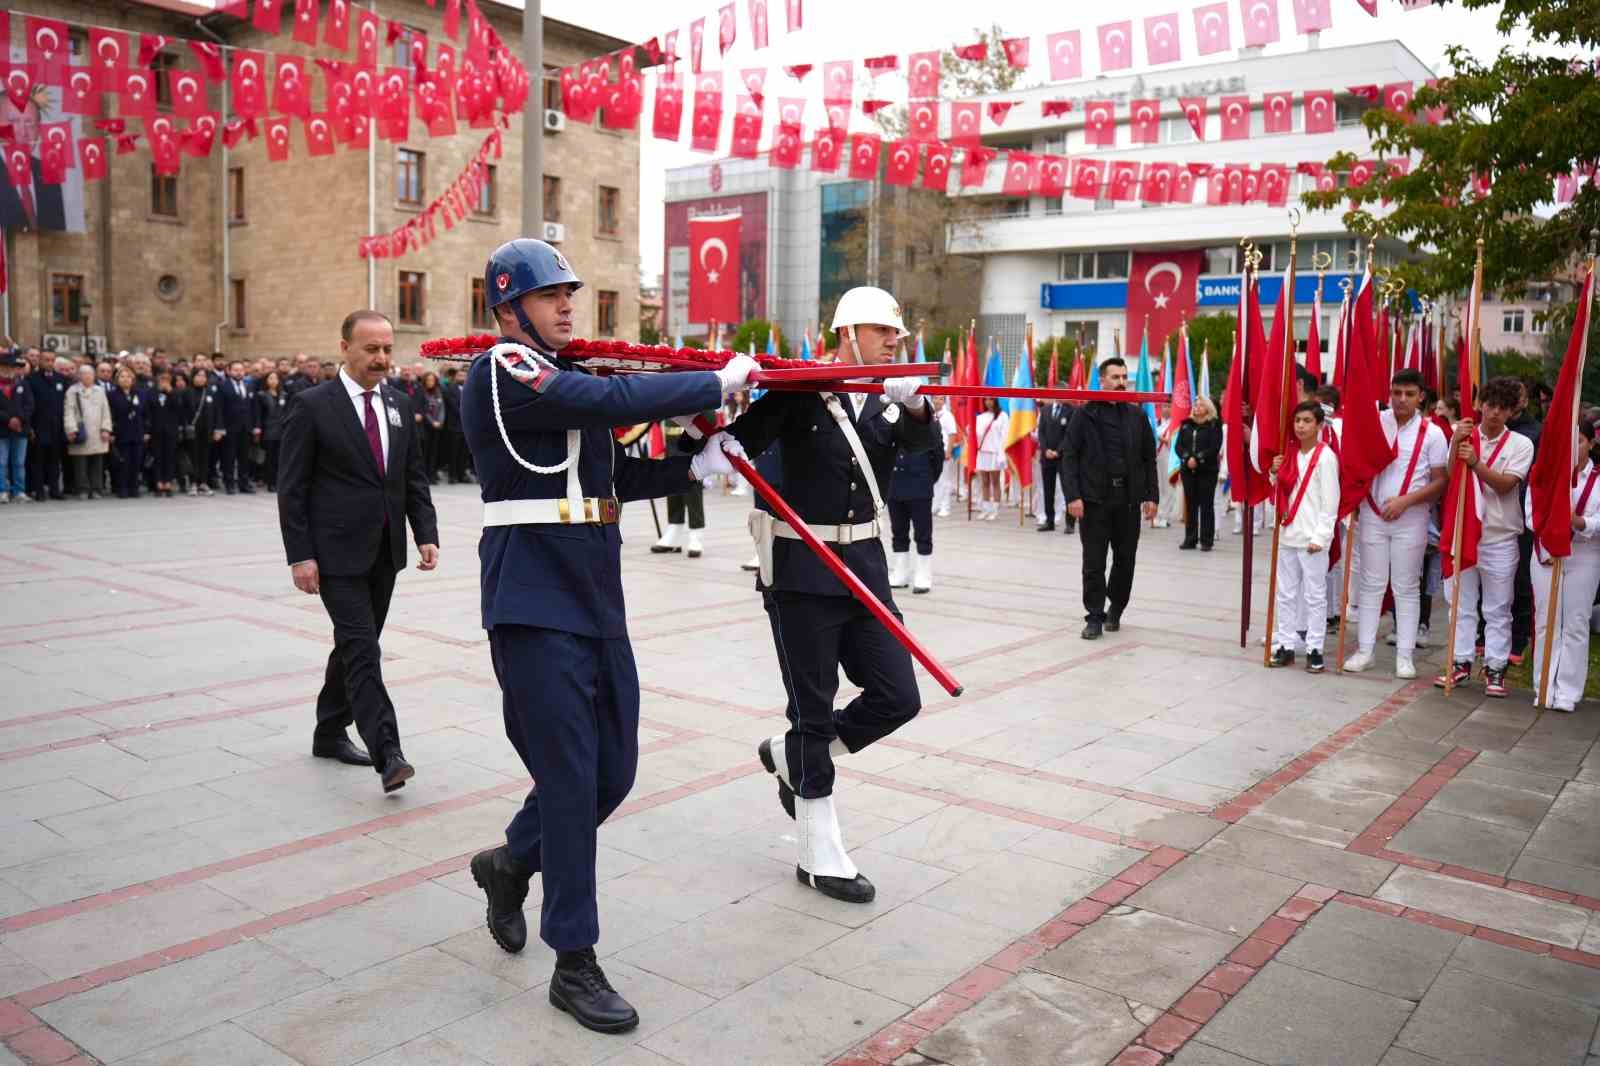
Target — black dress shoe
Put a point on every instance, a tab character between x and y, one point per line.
341	748
1091	631
1048	527
1114	623
506	888
396	772
1188	546
247	490
855	889
580	988
1070	526
785	793
1205	547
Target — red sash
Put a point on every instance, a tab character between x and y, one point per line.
1411	467
1477	445
1588	487
1287	516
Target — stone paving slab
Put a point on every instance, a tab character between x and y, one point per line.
1291	1015
1540	919
1140	955
1385	954
1468	1018
1037	1020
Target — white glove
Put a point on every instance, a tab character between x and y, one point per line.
904	390
736	373
713	458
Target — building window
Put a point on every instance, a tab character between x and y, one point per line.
1111	265
163	194
1082	266
1511	320
609	223
66	299
236	194
486	193
411	302
1349	109
552	199
1218	259
552	88
160	67
1539	324
481	318
236	301
402	46
606	313
408	175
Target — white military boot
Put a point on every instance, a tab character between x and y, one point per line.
923	580
824	864
695	547
671	540
899	570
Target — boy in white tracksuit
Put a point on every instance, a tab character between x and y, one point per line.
1580	577
1308	507
1499	460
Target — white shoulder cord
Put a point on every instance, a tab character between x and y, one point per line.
574	436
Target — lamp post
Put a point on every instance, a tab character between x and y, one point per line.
83	309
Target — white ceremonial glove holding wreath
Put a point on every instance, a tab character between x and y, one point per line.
712	460
904	390
735	374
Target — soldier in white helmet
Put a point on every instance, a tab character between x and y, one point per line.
837	452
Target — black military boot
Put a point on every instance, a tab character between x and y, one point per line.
506	886
785	793
580	988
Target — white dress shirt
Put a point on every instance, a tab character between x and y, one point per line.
1391	481
360	405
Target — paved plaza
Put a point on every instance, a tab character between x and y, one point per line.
1139	850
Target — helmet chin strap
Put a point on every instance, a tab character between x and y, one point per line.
527	327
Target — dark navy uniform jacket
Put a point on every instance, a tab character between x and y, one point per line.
130	415
560	576
1054	421
823	482
915	473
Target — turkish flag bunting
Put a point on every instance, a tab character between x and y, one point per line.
55	159
902	167
419	52
667	117
1277	112
367	38
1235	111
1397	98
1116	45
864	151
92	154
248	83
394	100
574	97
452	19
1066	55
705	125
277	134
936	169
1275	179
727	30
80	95
19	165
922	120
127	143
49	48
1370	93
1311	16
1260	18
159	126
1051	108
1100	123
319	135
1161	42
746	128
714	268
697	40
881	64
754	80
433	107
1162	288
359	132
1320	111
20	79
786	145
998	110
1157	185
624	104
922	74
209	56
826	148
1194	109
1016	49
975	53
758	23
1211	28
1124	183
964	122
291	89
108	57
187	90
267	16
1144	121
798	71
837	82
1182	185
150	45
1088	176
138	97
1369	6
166	155
1019	174
200	136
336	30
872	107
793	12
1250	185
363	92
1233	183
305	21
975	166
1052	176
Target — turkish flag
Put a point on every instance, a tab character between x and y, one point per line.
881	64
52	166
1066	55
964	123
758	23
786	145
727	29
1161	288
1116	45
19	165
1233	183
1194	109
714	268
187	89
336	31
108	58
826	148
705	124
1320	111
433	107
277	134
922	74
305	22
1275	178
1182	185
902	168
1124	181
837	82
209	56
1019	174
922	120
1100	123
138	94
1144	121
1364	448
697	40
1277	112
201	135
746	128
1397	98
1016	49
319	135
864	151
1550	479
1052	176
159	126
1260	18
291	90
999	109
55	151
452	19
1088	175
973	53
81	93
936	170
248	83
975	167
49	48
92	154
1235	111
1463	487
1211	28
235	130
166	155
792	9
1161	43
267	16
366	38
1158	181
150	46
1051	108
394	104
1311	16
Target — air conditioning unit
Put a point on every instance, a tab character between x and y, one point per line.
555	232
554	121
58	342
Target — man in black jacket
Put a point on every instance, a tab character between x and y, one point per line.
238	427
47	452
16	417
1108	472
1054	421
350	475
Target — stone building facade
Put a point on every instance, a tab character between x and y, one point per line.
150	264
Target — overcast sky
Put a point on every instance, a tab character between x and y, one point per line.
853	29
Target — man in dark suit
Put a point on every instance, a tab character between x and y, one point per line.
349	476
238	426
1054	420
48	451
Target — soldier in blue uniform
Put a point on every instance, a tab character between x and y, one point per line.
552	476
837	450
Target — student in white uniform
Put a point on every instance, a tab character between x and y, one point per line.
1393	531
991	433
1332	432
1580	577
945	489
1499	460
1308	501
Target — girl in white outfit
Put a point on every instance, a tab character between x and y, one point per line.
1580	576
991	433
1308	501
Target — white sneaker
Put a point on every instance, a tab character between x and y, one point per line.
943	512
1359	662
1162	523
1405	669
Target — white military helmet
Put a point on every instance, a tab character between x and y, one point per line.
868	305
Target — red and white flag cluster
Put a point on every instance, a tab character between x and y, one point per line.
456	203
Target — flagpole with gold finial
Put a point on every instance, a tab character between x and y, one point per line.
1355	516
1474	339
1285	383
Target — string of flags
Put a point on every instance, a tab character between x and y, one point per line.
454	204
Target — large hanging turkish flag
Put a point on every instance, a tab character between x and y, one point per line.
714	268
1162	287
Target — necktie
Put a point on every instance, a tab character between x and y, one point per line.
374	440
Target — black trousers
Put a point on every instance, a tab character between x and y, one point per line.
200	450
272	448
430	449
1522	627
1199	504
352	688
165	447
1114	526
236	458
1049	476
88	472
691	500
130	462
457	443
906	516
45	463
815	636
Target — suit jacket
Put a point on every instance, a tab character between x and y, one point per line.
49	397
332	503
238	412
130	416
18	405
1054	420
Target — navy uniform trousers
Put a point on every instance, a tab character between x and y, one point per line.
571	706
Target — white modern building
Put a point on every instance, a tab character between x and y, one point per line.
1062	264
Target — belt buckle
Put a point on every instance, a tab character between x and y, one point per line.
564	510
845	534
589	509
610	510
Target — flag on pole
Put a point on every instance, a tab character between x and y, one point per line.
1341	342
1314	336
1182	385
1078	378
1266	428
967	409
1022	419
1205	370
1550	479
1364	449
1144	382
922	352
1094	372
1165	384
805	344
1053	379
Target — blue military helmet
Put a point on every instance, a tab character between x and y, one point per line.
523	265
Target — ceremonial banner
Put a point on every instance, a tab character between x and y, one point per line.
714	268
1161	288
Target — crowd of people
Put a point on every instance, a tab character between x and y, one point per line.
145	424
